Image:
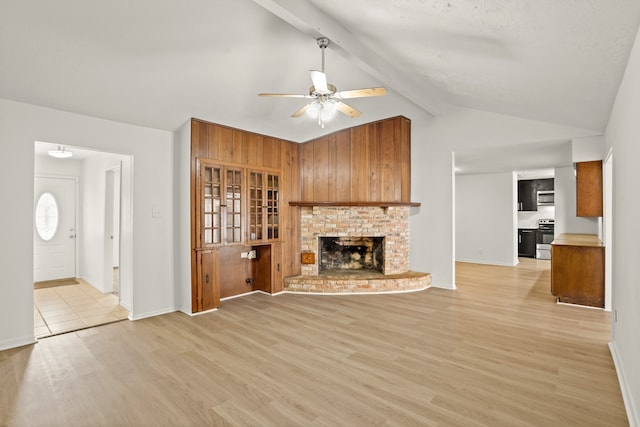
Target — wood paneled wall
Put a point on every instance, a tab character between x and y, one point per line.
367	163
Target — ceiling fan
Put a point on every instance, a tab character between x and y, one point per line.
325	97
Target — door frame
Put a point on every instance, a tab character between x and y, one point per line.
111	175
607	232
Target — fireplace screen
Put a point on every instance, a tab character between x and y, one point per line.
351	253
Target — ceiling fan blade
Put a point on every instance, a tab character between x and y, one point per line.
361	93
319	80
302	110
284	95
347	109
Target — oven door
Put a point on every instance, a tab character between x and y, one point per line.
545	236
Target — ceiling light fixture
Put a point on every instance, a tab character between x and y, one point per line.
60	153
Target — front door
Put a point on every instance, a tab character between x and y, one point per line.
54	246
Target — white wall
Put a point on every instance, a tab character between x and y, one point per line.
93	238
588	148
485	220
152	269
623	135
565	202
433	140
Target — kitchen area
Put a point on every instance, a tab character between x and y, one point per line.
551	214
536	217
576	252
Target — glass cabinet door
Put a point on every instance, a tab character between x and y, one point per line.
273	193
234	206
256	200
264	189
221	205
212	205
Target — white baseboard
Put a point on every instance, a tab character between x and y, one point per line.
629	403
152	313
199	313
486	262
17	342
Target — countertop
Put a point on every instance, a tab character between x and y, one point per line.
568	239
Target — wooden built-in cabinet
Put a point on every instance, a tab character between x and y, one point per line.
241	183
208	289
244	189
577	269
589	200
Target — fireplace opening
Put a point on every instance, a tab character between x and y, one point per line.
355	254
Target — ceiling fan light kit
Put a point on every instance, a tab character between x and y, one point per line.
326	100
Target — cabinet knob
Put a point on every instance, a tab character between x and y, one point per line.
206	278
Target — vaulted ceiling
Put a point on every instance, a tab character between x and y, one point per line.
157	63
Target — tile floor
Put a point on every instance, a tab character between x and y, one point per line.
69	308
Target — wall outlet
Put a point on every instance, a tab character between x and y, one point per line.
248	255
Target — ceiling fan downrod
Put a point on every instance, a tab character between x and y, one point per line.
323	42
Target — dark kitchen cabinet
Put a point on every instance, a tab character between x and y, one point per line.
528	192
527	242
527	195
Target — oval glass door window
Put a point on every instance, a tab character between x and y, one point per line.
46	216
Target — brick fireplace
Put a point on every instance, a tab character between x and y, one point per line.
356	225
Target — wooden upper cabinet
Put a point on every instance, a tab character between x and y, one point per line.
264	206
219	204
589	200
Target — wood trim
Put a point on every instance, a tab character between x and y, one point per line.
374	204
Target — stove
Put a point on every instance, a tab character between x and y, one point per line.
544	237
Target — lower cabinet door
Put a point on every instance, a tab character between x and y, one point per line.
208	286
276	268
527	243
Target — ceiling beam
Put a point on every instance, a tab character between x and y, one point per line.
310	20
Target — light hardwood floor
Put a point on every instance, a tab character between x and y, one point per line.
496	352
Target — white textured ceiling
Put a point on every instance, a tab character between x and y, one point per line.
157	63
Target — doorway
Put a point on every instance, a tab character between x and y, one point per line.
80	295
